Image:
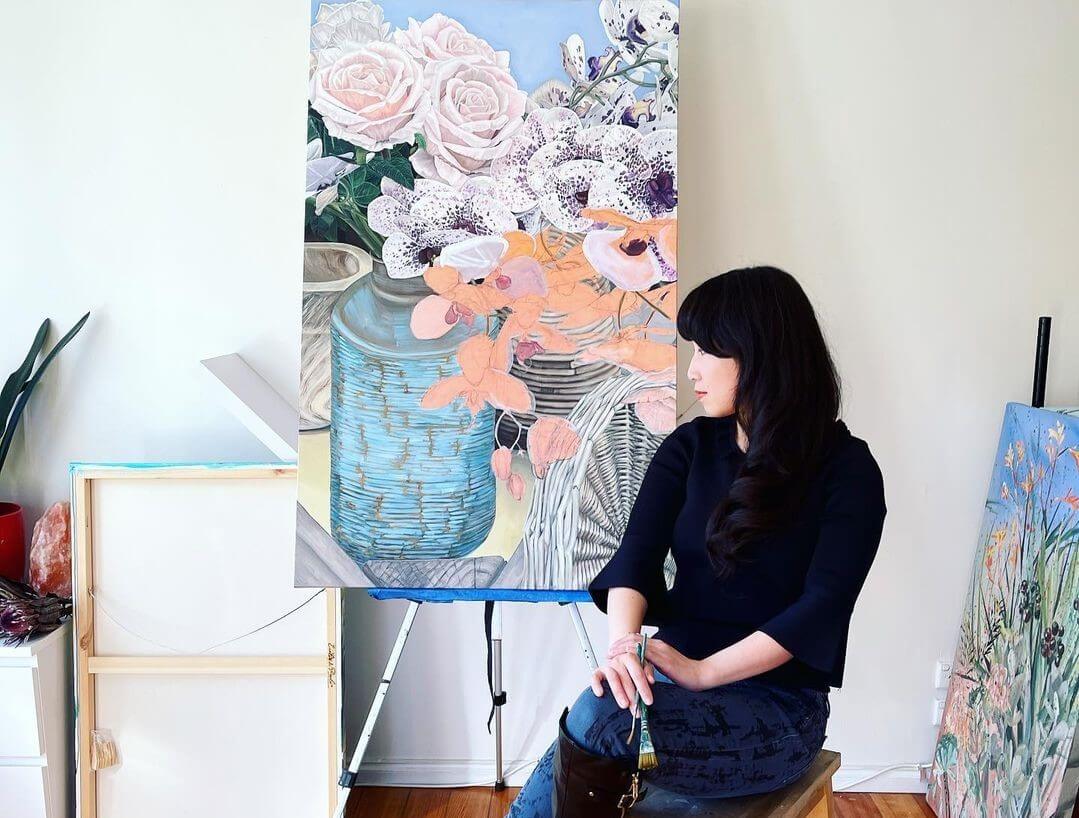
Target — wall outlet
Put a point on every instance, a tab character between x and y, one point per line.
938	711
943	673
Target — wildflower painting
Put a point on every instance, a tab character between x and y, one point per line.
490	273
1005	748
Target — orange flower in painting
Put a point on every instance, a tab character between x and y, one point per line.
551	439
454	300
584	305
484	379
533	335
501	462
1071	499
997	538
572	291
655	406
1075	454
636	354
1028	484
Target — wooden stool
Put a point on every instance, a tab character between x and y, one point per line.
808	797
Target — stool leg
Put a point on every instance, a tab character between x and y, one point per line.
829	796
820	805
823	803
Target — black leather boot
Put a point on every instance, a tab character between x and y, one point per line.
589	785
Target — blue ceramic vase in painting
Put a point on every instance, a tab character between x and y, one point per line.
405	482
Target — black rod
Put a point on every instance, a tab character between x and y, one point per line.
1041	362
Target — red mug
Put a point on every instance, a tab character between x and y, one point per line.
12	542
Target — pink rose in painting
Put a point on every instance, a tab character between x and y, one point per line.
341	28
374	98
476	108
442	38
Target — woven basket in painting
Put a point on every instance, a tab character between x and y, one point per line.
579	509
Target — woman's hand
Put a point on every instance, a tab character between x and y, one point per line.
625	676
679	668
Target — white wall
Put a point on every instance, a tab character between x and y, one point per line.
912	164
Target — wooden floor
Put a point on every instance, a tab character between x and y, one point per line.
484	802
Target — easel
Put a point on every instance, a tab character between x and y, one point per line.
349	777
272	420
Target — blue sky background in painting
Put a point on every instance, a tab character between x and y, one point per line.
531	30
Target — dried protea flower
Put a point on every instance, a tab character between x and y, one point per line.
22	618
16	620
10	589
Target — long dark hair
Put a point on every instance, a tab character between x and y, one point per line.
787	399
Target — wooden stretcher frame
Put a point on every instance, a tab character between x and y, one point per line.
88	666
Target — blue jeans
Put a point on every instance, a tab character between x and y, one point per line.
740	738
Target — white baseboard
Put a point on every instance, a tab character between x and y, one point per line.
878	778
442	773
449	773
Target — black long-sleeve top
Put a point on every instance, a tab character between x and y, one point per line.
802	580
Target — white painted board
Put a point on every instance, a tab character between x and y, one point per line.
214	747
183	564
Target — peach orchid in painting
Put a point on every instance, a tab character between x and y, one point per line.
524	278
484	379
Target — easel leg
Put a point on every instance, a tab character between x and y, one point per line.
348	778
582	635
496	684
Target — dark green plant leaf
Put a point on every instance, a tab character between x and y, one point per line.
345	219
16	381
357	190
396	167
357	221
331	145
20	405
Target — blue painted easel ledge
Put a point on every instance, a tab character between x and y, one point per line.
477	595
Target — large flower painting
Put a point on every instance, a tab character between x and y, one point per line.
490	272
1006	746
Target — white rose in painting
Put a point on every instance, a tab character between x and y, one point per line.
341	28
442	38
374	98
476	109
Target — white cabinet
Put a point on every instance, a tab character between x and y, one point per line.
36	723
